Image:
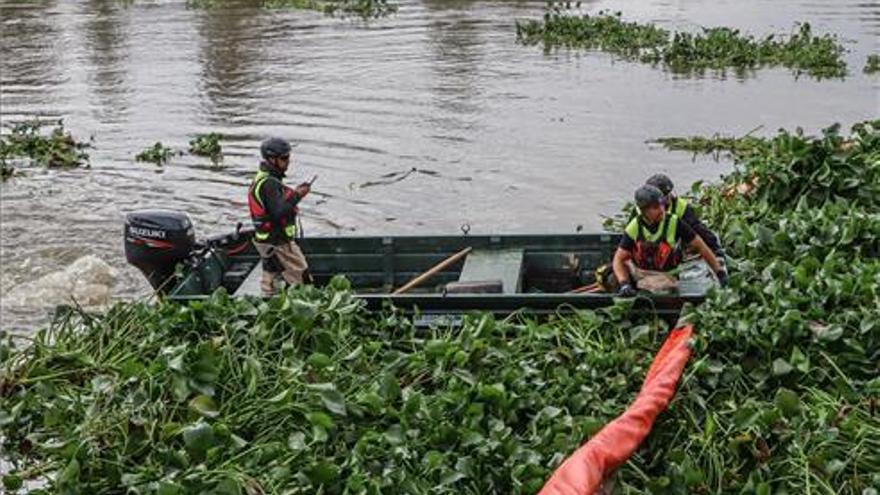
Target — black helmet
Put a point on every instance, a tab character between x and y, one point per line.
274	148
648	195
662	182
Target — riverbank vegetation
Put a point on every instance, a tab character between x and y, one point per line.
309	393
716	48
29	144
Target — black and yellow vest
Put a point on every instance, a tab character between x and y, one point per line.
658	250
266	231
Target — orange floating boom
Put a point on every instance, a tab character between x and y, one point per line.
584	471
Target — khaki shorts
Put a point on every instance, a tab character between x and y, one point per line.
289	261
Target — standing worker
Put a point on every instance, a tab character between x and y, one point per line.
653	241
273	209
685	213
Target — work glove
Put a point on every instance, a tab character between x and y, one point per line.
722	277
626	290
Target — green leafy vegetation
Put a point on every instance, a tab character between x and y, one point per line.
309	393
782	396
6	170
207	145
360	8
716	48
365	9
715	145
158	154
872	66
27	144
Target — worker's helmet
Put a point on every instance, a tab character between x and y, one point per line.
274	148
662	182
648	195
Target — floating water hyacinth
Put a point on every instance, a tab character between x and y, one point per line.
365	9
716	48
26	143
872	65
158	154
207	145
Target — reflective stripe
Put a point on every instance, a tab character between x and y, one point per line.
289	231
632	228
657	250
258	182
636	229
678	207
262	223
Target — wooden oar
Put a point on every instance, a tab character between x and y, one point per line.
586	288
433	271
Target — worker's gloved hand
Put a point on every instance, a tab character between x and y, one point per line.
303	189
722	277
626	290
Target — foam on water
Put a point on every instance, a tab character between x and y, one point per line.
87	281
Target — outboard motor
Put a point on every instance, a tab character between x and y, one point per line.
156	241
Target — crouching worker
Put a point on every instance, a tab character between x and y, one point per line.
685	213
653	241
273	208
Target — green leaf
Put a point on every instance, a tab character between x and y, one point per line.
639	332
12	481
390	388
831	334
320	419
69	476
238	442
6	418
279	397
205	406
332	399
319	360
320	434
101	384
297	441
800	361
781	367
834	466
228	486
198	437
323	472
372	401
394	435
451	477
788	402
253	370
494	392
180	388
549	412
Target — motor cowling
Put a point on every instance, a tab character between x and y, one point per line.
156	241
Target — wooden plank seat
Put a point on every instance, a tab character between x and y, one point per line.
490	271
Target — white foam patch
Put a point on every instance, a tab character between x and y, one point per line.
88	281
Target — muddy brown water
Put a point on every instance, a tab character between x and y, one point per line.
507	139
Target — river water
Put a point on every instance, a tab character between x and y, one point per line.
504	137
